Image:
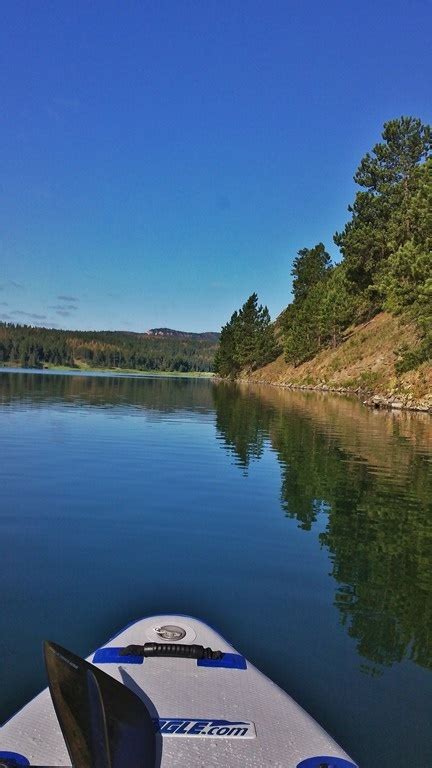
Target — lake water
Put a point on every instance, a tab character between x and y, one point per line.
256	509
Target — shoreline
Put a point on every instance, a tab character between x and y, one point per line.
378	401
363	365
59	369
390	401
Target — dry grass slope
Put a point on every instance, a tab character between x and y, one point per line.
365	362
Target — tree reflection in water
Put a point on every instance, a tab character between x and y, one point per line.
370	474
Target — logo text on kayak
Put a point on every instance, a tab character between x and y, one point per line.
179	726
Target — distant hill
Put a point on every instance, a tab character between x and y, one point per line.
170	333
209	335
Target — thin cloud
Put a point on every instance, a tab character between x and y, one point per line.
5	317
4	304
63	307
10	284
67	298
30	315
63	313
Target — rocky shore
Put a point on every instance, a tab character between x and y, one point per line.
390	400
400	402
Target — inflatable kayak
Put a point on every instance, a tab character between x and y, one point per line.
166	691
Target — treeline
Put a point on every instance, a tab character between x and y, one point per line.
31	347
386	249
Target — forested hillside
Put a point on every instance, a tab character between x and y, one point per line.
386	265
37	347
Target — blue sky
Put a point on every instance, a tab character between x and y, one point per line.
161	161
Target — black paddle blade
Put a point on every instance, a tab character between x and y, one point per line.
104	724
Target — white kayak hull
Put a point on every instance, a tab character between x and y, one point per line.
221	714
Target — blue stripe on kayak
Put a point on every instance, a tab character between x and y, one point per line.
228	660
14	757
325	760
113	656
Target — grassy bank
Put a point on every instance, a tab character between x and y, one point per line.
363	363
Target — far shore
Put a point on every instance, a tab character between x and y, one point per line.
88	371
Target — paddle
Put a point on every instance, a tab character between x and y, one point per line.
104	724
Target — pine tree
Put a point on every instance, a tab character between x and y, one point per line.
226	363
406	283
310	267
381	219
338	306
247	341
247	333
304	324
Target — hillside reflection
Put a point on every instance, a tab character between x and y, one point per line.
370	473
161	394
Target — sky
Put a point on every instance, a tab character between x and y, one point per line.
160	161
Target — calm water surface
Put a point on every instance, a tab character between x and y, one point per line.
299	524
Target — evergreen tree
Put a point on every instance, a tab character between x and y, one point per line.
406	284
268	347
381	219
310	267
226	363
247	333
303	333
407	142
304	328
247	341
337	306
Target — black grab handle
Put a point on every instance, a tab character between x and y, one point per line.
172	650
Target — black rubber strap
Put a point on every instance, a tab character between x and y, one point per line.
172	650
